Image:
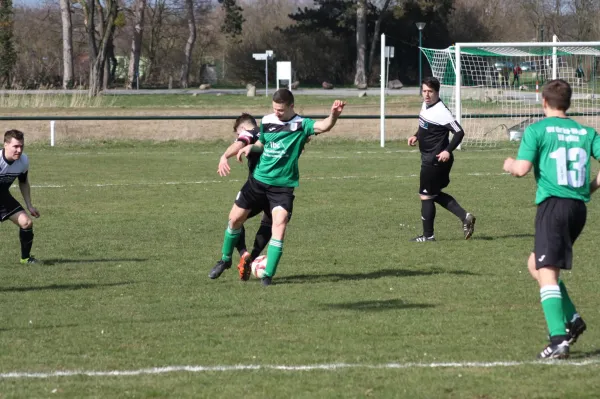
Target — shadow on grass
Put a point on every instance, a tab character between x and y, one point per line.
63	287
501	237
374	306
52	262
585	355
335	277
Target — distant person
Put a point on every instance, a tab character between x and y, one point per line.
559	150
15	164
435	124
579	74
516	75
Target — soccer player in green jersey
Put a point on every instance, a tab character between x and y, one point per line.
282	137
559	150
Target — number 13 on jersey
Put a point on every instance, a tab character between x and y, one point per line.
571	166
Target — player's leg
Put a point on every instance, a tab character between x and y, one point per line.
449	203
245	264
263	235
281	201
427	192
241	244
25	224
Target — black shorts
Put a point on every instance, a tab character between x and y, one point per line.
8	206
258	196
267	219
558	223
435	177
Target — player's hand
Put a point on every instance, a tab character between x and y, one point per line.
508	164
443	156
412	141
337	108
34	212
243	152
224	168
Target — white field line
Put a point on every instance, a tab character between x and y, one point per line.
175	183
309	367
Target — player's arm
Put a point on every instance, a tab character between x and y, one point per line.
412	140
224	169
528	153
328	123
26	192
595	184
244	152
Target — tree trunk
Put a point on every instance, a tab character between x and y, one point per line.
376	35
189	46
156	21
133	75
360	79
67	35
97	63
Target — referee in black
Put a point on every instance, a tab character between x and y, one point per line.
435	124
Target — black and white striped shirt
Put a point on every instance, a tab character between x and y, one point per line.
435	124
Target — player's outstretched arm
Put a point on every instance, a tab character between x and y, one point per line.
328	123
244	152
517	168
224	169
26	192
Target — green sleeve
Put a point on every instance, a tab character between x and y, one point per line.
596	146
528	150
261	136
308	125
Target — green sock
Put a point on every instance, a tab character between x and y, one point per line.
231	238
274	252
567	304
553	310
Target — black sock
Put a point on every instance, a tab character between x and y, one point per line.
263	236
26	238
241	244
448	202
427	216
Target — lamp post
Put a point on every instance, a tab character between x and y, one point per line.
420	26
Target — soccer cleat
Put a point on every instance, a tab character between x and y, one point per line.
30	261
555	351
219	268
575	329
422	238
245	267
469	225
266	281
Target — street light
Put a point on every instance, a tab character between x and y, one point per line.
420	26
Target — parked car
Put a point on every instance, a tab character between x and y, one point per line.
502	65
529	66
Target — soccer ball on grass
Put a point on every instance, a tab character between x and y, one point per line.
259	265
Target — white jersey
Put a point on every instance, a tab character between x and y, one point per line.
9	171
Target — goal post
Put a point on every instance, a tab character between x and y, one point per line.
494	88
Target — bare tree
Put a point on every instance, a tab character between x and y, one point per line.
67	40
360	79
136	44
376	30
156	18
189	45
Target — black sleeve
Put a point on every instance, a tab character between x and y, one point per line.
458	134
23	177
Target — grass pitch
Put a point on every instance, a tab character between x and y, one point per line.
129	231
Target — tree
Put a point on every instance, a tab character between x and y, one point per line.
189	45
136	44
98	50
67	41
360	79
232	24
8	56
376	34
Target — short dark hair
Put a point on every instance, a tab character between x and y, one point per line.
283	96
557	94
243	118
13	134
432	83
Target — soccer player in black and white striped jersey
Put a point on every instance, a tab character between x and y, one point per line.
15	164
435	124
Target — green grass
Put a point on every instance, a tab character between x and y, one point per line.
125	283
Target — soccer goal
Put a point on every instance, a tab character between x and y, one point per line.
494	89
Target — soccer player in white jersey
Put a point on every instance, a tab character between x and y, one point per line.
435	124
15	164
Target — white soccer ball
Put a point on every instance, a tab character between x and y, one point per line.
259	266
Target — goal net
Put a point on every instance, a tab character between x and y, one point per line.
494	89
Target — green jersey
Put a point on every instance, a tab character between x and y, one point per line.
283	143
560	150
